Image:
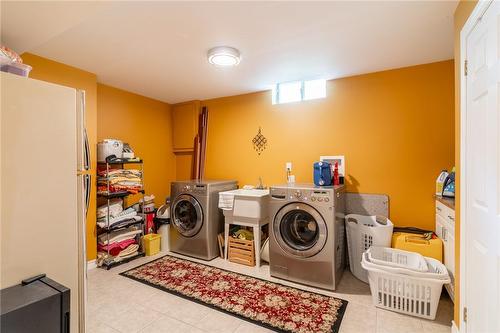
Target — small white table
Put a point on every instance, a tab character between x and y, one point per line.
249	210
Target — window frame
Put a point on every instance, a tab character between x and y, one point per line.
276	92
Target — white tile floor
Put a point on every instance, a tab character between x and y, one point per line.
118	304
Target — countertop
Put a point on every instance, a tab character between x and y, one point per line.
449	202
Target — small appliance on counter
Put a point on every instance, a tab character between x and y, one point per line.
322	174
440	182
38	304
109	147
449	185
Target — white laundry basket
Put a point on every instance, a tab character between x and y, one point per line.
412	293
362	232
432	273
397	258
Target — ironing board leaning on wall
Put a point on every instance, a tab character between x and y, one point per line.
367	204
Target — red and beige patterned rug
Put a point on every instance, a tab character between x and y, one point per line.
271	305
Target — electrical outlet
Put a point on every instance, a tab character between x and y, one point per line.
288	166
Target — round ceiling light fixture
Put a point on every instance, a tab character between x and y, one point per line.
224	56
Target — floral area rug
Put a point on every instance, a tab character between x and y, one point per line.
271	305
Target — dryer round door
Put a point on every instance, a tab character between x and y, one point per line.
187	215
300	230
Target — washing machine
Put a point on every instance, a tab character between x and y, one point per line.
307	234
196	219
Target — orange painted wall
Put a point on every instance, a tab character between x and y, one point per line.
55	72
462	13
183	165
395	128
145	124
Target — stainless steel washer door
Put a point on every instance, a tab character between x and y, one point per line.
187	215
300	230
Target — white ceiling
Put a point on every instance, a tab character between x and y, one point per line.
158	49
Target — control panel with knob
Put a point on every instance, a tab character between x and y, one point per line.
320	196
314	196
306	195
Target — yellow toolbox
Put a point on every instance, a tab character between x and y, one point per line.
417	243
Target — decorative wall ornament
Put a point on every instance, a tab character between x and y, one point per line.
259	142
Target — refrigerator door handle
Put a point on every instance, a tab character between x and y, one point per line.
88	186
86	151
82	140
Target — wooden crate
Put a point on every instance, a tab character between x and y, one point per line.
241	251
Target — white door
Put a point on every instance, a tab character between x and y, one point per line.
481	174
450	253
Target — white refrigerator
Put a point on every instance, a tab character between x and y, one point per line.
45	187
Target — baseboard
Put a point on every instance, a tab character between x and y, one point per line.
91	264
454	328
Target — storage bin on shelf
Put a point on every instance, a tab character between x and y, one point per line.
362	232
11	62
151	244
402	289
417	243
15	68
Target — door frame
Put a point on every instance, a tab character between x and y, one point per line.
469	25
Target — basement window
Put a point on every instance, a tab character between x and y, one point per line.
298	91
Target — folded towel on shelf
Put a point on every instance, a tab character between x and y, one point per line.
103	189
115	248
120	258
115	208
120	223
128	250
127	214
103	258
116	180
122	180
118	235
120	173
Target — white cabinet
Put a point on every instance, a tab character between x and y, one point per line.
445	229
